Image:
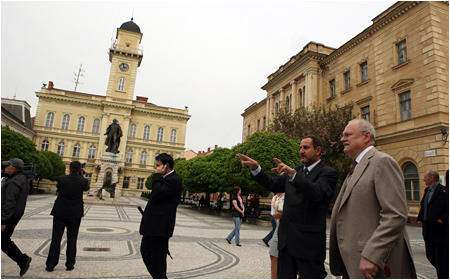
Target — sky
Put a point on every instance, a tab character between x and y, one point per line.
212	56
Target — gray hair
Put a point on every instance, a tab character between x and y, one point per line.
433	174
365	126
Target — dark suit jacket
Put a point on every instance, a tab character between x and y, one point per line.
160	212
437	209
69	203
303	224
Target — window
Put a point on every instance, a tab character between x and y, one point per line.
276	107
92	151
288	104
401	52
160	135
332	88
144	157
405	106
44	146
140	183
300	93
365	113
126	183
88	176
65	122
411	182
129	156
60	149
173	136
248	130
80	126
132	131
50	118
96	126
264	123
258	125
76	150
121	86
364	72
146	132
347	80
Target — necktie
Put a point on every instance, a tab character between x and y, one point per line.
305	171
352	167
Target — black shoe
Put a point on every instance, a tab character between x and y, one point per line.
25	266
265	242
70	268
49	269
229	242
238	245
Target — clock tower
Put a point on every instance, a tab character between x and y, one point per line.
125	56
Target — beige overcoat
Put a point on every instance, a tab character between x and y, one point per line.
369	218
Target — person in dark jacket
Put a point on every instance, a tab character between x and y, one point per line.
15	190
433	216
67	212
158	220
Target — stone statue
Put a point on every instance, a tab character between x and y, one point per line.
107	186
113	132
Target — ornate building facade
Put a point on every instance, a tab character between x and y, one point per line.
396	72
73	124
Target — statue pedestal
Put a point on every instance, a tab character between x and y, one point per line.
109	162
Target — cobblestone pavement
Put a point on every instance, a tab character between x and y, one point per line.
109	241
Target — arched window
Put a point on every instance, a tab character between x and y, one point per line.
411	182
144	157
60	149
173	136
80	126
44	146
121	86
129	156
65	122
96	126
50	118
160	135
92	150
76	150
132	133
146	132
288	104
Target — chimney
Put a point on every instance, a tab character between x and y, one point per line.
140	98
209	149
199	152
50	85
215	147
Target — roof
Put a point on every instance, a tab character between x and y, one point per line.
130	26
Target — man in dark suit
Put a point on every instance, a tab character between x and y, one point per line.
433	216
158	220
67	212
309	190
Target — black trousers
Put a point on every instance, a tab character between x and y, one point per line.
437	254
290	267
8	246
59	224
154	254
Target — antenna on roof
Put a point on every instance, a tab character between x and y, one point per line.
77	75
132	15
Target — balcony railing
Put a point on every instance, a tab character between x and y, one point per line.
115	46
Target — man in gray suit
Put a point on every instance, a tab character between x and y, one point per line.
368	238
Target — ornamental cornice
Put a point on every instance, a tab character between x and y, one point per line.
118	105
68	99
162	113
371	30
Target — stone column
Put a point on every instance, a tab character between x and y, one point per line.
311	81
282	98
294	95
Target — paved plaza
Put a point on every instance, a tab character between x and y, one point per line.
109	242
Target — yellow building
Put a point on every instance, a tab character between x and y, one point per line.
397	73
73	124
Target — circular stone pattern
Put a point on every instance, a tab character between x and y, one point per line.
104	230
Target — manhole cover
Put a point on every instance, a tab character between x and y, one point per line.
97	249
100	229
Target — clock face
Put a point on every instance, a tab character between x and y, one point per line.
124	67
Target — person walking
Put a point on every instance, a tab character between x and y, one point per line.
15	190
67	212
368	238
308	190
272	219
433	217
158	220
237	215
273	243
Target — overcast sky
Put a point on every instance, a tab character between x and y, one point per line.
212	56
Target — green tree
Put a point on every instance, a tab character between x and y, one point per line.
262	147
328	125
56	166
15	145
